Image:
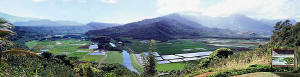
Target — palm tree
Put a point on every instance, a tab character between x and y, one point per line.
5	32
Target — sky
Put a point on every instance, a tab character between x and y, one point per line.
125	11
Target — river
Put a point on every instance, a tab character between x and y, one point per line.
127	61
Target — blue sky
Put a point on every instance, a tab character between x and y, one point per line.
124	11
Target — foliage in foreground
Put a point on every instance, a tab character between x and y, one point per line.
26	63
149	66
252	69
219	53
285	35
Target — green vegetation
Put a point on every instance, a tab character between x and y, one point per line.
177	46
284	36
92	58
78	54
26	63
140	68
170	47
233	72
219	53
114	57
171	66
31	44
67	47
270	74
5	32
149	61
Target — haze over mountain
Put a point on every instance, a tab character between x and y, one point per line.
235	22
13	19
46	22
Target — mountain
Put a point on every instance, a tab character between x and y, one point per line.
164	28
46	22
100	25
68	27
13	19
235	22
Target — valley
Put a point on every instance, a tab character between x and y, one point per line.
138	49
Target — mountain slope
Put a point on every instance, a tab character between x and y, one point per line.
100	25
235	22
163	28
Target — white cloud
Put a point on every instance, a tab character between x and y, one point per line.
38	0
109	1
171	6
275	9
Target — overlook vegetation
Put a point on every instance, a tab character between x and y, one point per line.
285	35
64	60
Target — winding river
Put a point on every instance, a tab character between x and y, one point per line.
127	61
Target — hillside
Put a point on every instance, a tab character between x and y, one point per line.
100	25
236	22
173	26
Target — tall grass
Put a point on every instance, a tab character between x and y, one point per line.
243	59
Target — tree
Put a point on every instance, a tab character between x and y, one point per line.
297	30
284	34
149	66
5	32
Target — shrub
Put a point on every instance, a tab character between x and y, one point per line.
222	52
217	54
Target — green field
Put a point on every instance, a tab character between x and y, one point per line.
67	47
170	47
192	45
94	58
170	66
114	57
177	46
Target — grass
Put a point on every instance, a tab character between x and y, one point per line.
58	49
170	66
94	58
31	44
269	74
135	65
65	47
78	54
114	57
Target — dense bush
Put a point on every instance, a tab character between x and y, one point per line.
26	63
250	69
88	70
219	53
117	69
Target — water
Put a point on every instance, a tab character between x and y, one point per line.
127	61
